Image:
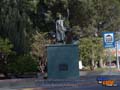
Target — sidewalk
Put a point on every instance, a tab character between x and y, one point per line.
40	84
96	73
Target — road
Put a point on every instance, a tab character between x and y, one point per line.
85	82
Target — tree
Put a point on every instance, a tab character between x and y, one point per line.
91	51
39	41
95	16
46	14
38	48
5	50
15	23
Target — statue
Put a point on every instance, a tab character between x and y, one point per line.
60	30
64	34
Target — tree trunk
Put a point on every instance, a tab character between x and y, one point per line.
92	60
92	64
101	65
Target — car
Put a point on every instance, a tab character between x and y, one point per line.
112	64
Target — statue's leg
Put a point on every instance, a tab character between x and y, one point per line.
62	36
58	36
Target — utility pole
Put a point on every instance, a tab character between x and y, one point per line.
118	66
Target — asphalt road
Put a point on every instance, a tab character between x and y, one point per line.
85	82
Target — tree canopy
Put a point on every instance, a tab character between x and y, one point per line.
21	19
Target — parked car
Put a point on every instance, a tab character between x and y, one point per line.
112	64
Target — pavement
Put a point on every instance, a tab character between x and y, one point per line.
38	84
86	81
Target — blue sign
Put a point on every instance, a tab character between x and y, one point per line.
109	39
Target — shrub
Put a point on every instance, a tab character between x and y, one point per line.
23	64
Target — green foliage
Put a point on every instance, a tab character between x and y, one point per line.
5	51
95	16
15	23
5	46
38	44
91	49
20	19
23	64
46	14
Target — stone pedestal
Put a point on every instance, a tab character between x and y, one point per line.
62	61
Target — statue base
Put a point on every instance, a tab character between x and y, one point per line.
62	61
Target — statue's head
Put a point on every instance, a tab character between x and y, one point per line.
59	16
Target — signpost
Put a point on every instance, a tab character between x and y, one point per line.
109	42
109	39
117	57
